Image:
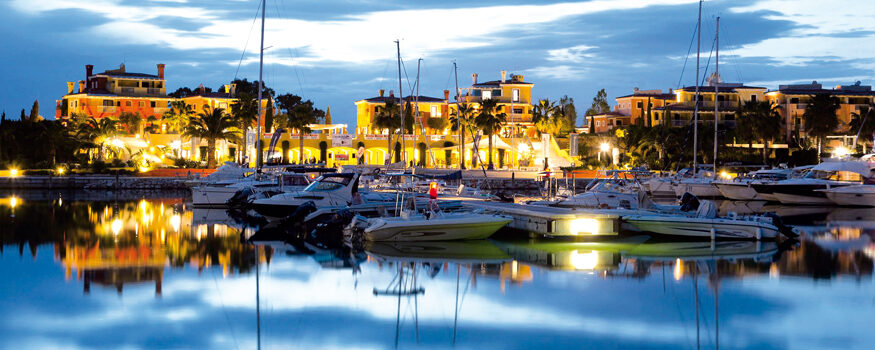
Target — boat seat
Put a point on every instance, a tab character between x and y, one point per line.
707	209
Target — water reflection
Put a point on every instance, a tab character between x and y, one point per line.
629	292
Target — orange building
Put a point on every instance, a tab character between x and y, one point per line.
793	99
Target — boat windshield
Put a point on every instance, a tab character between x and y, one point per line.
328	183
834	175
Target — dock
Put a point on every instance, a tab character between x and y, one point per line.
553	221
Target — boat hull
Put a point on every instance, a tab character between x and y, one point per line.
691	227
738	192
211	196
435	230
852	199
701	190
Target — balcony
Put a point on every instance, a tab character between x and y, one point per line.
139	91
107	109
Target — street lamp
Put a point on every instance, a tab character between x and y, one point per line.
604	147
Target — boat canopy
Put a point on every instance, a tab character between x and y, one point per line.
861	168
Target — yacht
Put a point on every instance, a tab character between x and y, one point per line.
740	189
698	184
826	175
219	194
705	224
436	226
852	196
328	190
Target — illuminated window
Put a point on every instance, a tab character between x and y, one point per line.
515	95
487	94
128	103
142	104
435	112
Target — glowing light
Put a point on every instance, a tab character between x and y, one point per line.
523	148
725	175
116	226
117	143
584	261
13	172
579	226
678	270
841	151
605	147
175	221
13	202
60	170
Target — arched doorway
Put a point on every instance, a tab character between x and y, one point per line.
323	152
285	155
360	159
448	153
422	154
501	157
397	152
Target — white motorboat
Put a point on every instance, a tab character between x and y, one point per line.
740	189
825	175
606	193
434	227
852	196
660	187
328	190
228	172
699	184
705	224
218	194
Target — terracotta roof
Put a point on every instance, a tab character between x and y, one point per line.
708	88
129	75
657	96
824	91
498	83
384	99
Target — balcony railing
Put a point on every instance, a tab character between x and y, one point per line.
107	109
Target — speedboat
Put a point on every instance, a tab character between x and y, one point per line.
823	176
705	224
328	190
740	189
436	226
220	193
606	193
699	184
852	196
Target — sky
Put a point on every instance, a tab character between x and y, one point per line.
336	52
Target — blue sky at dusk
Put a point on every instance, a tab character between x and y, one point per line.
336	52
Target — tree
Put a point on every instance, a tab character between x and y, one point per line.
461	119
22	117
99	133
599	104
245	112
213	125
34	111
864	122
759	120
130	122
299	118
820	117
542	115
437	125
568	110
387	118
178	117
490	122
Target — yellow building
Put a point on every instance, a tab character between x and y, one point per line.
793	99
728	96
514	97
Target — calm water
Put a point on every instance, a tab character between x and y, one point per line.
147	271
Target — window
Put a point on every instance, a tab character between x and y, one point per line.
640	104
794	100
753	98
515	95
127	103
487	94
142	104
517	111
496	93
656	116
435	112
223	105
618	123
108	103
152	104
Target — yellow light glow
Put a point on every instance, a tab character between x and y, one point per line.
579	226
584	261
116	226
60	170
725	175
117	143
175	221
13	172
605	147
678	270
841	151
13	202
523	148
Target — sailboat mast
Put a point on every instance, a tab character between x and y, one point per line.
716	87
401	100
461	141
696	104
257	298
260	87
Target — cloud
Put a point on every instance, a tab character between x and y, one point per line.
560	72
574	54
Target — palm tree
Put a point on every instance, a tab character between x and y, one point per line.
460	119
178	117
213	125
820	118
300	118
98	132
760	120
864	122
387	118
542	114
131	122
245	112
490	122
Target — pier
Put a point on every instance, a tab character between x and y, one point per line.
553	221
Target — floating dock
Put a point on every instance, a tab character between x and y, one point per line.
553	221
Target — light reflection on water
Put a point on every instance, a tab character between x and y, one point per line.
155	273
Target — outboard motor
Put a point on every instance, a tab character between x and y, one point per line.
297	217
240	198
689	202
785	230
329	233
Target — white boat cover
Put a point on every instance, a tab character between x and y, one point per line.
861	168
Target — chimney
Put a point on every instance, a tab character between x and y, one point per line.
70	86
447	95
391	93
503	76
88	70
233	90
160	70
81	85
381	91
227	88
474	78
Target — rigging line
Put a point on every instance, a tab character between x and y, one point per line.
687	57
409	86
243	54
292	57
225	311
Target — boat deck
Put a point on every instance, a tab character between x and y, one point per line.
553	221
